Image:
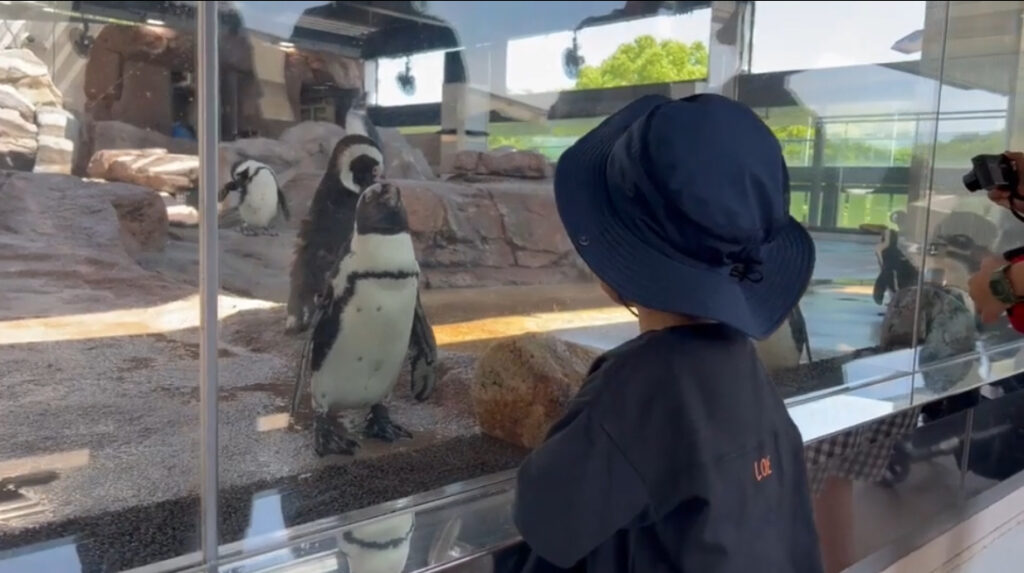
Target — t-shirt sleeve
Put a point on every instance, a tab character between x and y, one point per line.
575	491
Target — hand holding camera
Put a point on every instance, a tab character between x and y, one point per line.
997	287
999	176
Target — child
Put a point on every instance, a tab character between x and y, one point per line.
678	454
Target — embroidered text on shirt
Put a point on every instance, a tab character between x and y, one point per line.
763	468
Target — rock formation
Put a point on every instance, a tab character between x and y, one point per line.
498	228
128	76
69	244
36	133
514	163
524	384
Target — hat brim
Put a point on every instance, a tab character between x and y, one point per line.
641	274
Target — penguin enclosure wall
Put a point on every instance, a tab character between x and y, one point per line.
443	352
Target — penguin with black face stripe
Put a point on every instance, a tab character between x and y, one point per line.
355	164
260	199
369	316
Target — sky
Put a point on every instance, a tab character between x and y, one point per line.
788	35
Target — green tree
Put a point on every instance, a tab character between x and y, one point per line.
647	61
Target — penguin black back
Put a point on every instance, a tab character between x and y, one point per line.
323	237
896	271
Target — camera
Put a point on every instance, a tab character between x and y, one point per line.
991	172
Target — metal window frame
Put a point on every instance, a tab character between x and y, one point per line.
208	86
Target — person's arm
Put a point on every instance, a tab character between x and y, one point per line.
1016	275
980	286
575	491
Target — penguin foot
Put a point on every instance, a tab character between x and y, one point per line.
268	231
380	426
331	437
247	230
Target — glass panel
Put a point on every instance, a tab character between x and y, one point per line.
441	527
995	452
854	112
99	308
467	106
921	480
979	102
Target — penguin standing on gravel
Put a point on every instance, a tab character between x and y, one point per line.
260	199
355	164
367	319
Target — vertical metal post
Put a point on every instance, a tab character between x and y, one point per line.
929	180
209	279
814	218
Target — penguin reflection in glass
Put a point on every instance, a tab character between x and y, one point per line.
787	345
896	271
259	197
355	164
367	318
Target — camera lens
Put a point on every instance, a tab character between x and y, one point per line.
971	182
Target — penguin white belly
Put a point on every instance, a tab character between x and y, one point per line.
778	350
365	360
380	547
260	204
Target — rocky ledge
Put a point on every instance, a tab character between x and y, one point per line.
36	133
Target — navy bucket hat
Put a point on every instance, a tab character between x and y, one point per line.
683	206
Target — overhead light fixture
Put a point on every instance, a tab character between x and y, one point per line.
286	44
154	22
48	9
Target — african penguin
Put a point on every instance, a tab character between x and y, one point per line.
381	546
895	271
355	164
259	196
787	345
367	319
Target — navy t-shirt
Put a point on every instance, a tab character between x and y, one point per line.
676	455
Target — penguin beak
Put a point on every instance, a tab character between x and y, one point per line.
228	188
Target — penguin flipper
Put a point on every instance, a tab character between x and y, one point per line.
423	347
301	376
798	327
878	294
282	204
225	190
314	349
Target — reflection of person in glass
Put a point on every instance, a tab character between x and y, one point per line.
998	286
678	454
